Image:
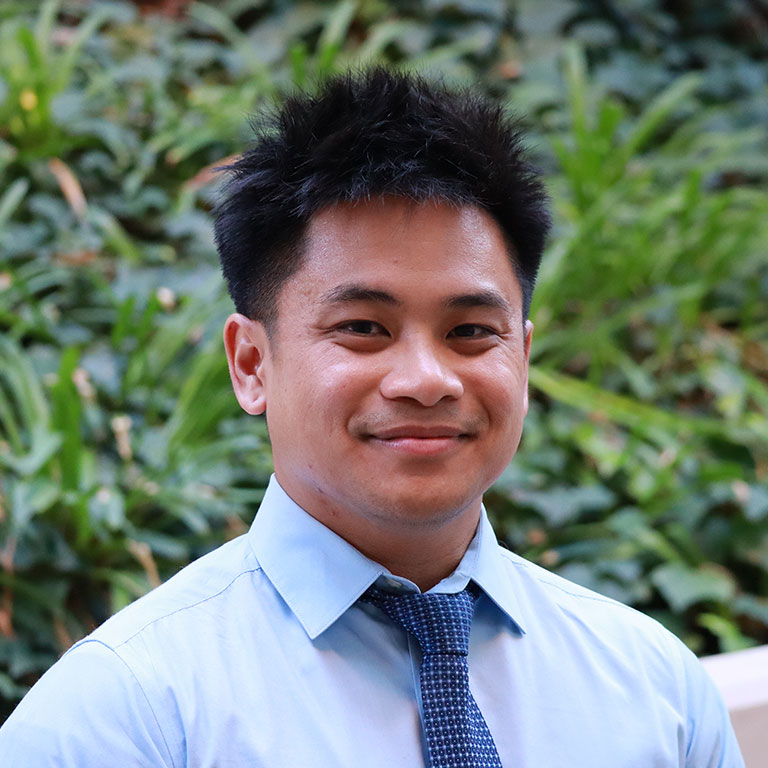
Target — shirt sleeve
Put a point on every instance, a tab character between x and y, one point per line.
711	740
87	711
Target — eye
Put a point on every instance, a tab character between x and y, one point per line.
362	328
471	331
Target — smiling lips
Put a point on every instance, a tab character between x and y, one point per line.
420	440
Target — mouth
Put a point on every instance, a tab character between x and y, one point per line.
419	440
418	432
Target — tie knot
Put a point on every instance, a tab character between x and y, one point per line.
440	623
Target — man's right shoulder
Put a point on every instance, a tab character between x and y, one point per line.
204	586
109	697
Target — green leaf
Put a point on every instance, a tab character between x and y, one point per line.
106	507
727	632
45	21
66	64
333	34
657	112
23	410
66	420
559	505
11	200
756	502
44	444
682	586
633	413
29	498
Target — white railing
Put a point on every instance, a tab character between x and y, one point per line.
742	678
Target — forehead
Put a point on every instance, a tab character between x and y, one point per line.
399	241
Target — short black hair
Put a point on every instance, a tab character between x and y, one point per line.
369	134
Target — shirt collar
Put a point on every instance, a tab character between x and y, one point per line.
320	575
492	574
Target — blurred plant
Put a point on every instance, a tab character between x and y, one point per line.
652	377
35	71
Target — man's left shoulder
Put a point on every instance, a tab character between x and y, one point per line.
600	650
553	599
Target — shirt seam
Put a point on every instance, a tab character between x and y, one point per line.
184	608
594	596
141	688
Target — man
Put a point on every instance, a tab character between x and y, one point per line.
381	243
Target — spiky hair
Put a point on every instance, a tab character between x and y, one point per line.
364	135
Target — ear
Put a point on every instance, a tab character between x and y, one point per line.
248	356
528	338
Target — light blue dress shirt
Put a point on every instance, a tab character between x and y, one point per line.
259	654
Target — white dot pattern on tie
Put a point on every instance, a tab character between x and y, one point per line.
456	732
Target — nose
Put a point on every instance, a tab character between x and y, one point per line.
422	372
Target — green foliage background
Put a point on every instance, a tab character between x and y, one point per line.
643	472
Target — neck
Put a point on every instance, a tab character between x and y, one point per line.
423	559
423	553
416	539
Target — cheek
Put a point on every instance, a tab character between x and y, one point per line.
504	396
345	386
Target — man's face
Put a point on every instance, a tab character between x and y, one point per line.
395	381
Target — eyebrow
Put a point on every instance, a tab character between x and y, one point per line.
348	293
490	299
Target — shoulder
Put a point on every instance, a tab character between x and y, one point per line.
633	652
113	695
596	632
206	585
87	710
570	602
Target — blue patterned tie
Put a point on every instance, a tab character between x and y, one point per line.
457	734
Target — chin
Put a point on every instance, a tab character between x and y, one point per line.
421	510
